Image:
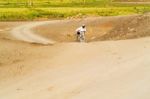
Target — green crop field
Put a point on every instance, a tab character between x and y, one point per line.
60	3
13	10
53	3
132	0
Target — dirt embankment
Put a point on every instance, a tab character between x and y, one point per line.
130	28
99	29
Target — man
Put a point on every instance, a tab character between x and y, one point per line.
80	32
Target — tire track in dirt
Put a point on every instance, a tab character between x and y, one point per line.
24	33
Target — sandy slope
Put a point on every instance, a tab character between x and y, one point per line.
24	33
97	70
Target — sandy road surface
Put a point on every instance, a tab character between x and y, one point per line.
24	33
97	70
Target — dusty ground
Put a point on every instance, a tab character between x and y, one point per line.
99	29
71	70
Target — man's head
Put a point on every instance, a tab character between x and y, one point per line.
83	25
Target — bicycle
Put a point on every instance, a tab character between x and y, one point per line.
80	36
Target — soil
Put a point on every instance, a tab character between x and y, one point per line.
113	63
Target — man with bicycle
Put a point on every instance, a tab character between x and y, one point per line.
80	33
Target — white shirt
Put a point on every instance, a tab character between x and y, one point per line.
81	30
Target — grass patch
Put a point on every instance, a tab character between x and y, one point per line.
53	3
15	14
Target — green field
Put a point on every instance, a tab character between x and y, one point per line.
54	3
132	0
13	10
61	3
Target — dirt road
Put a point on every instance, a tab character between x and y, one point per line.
24	33
98	70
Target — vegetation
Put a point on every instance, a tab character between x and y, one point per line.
53	3
47	9
132	0
61	3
